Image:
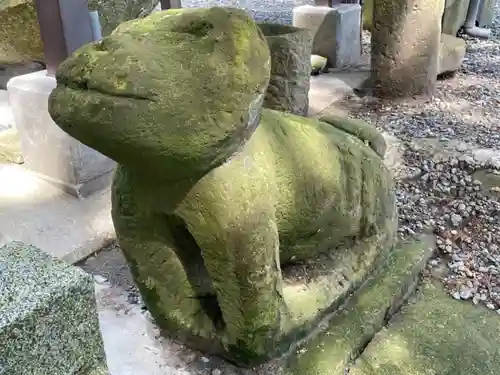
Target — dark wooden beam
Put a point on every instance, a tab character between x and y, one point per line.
170	4
64	27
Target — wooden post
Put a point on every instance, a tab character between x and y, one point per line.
170	4
64	27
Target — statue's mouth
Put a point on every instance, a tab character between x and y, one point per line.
83	86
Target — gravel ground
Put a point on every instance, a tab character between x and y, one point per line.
450	177
448	182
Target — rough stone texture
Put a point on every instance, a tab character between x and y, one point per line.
288	87
47	150
454	16
335	31
367	16
20	40
364	315
435	335
451	54
347	35
405	47
19	32
114	12
48	317
248	225
10	147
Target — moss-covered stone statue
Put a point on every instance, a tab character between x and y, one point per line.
243	226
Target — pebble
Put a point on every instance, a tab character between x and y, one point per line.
436	185
216	372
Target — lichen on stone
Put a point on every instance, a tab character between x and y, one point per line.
219	205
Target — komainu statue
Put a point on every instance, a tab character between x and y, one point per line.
243	226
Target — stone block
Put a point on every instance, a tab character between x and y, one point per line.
454	15
10	147
451	54
406	39
48	316
290	48
337	32
47	150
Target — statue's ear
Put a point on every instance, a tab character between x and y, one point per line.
358	128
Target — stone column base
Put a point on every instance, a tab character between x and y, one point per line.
48	150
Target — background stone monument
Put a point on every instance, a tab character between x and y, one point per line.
406	39
290	48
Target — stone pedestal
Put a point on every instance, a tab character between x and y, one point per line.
405	47
47	150
49	322
454	15
336	32
290	47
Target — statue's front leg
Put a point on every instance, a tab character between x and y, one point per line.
148	241
242	258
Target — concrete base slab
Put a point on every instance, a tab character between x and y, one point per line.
36	212
435	335
327	89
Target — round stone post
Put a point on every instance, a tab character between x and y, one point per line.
405	47
290	47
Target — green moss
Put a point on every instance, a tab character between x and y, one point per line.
162	83
10	147
202	192
435	335
114	12
364	315
367	14
19	33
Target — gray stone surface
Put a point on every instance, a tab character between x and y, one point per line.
454	16
290	48
406	39
337	32
48	316
451	54
47	150
486	13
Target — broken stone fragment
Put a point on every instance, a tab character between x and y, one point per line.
318	63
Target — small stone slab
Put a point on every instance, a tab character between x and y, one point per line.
346	334
48	316
337	32
451	54
435	335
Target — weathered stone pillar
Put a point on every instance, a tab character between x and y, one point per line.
405	47
290	47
